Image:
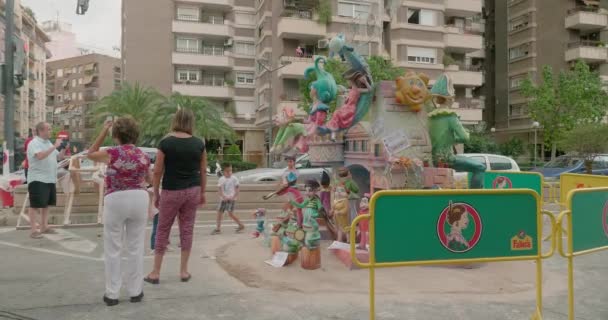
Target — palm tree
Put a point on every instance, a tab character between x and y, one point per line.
208	123
136	101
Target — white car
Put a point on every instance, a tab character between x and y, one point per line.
494	162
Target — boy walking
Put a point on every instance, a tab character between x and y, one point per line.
228	191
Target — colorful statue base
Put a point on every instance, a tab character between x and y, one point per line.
310	259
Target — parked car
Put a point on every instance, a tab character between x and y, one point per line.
494	161
573	164
275	174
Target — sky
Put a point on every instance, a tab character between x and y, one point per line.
99	27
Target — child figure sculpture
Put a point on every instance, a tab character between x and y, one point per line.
282	220
311	207
364	224
339	212
260	215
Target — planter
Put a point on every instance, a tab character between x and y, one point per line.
291	258
275	244
311	259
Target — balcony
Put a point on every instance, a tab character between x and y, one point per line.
216	30
588	51
586	19
462	40
199	90
469	116
197	58
221	5
296	68
462	8
470	76
300	28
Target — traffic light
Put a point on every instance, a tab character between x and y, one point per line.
82	6
19	47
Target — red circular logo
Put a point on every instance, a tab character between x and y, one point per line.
459	227
502	182
605	218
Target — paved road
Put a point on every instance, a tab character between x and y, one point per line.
61	277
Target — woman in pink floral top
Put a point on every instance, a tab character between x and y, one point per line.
125	207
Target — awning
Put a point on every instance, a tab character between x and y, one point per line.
87	79
89	67
65	83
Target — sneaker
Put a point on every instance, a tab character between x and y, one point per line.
110	302
215	231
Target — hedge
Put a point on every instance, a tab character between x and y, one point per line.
241	165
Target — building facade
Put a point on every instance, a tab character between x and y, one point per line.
74	85
30	98
247	55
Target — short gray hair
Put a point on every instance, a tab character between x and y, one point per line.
40	127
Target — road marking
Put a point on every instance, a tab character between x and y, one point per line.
72	241
60	253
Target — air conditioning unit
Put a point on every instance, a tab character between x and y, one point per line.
322	44
228	42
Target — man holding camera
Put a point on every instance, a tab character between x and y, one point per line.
42	156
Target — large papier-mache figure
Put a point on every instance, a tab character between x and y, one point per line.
412	90
322	91
446	131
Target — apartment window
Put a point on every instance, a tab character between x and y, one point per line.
73	96
79	95
244	48
519	23
213	79
519	51
74	83
244	78
74	70
353	10
188	13
80	69
363	48
244	18
517	111
188	75
187	45
59	97
422	17
59	73
421	55
213	18
117	84
516	82
212	49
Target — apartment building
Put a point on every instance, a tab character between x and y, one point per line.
423	36
74	85
543	33
30	98
203	48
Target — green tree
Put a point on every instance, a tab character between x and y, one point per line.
208	119
233	153
586	141
562	103
380	68
512	148
324	11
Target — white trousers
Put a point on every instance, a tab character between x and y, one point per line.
125	211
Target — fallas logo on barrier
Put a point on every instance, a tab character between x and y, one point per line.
521	241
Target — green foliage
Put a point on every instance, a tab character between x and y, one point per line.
380	68
154	112
241	165
587	141
480	143
512	148
324	11
233	153
561	104
448	60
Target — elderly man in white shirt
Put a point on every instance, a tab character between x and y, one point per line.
42	156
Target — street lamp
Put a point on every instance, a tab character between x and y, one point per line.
270	103
535	125
493	130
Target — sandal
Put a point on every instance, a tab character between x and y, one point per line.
151	280
186	279
239	229
36	235
215	231
49	231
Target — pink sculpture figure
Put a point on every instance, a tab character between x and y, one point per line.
290	133
364	224
344	116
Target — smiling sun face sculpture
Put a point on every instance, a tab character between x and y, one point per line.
412	90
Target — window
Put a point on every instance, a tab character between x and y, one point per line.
353	10
499	163
244	78
116	69
188	75
377	150
516	82
59	73
117	84
74	70
188	13
79	80
244	18
213	18
421	55
73	83
519	52
73	96
244	48
79	95
213	79
80	69
363	145
212	49
422	17
362	48
519	23
600	162
517	111
187	45
59	97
